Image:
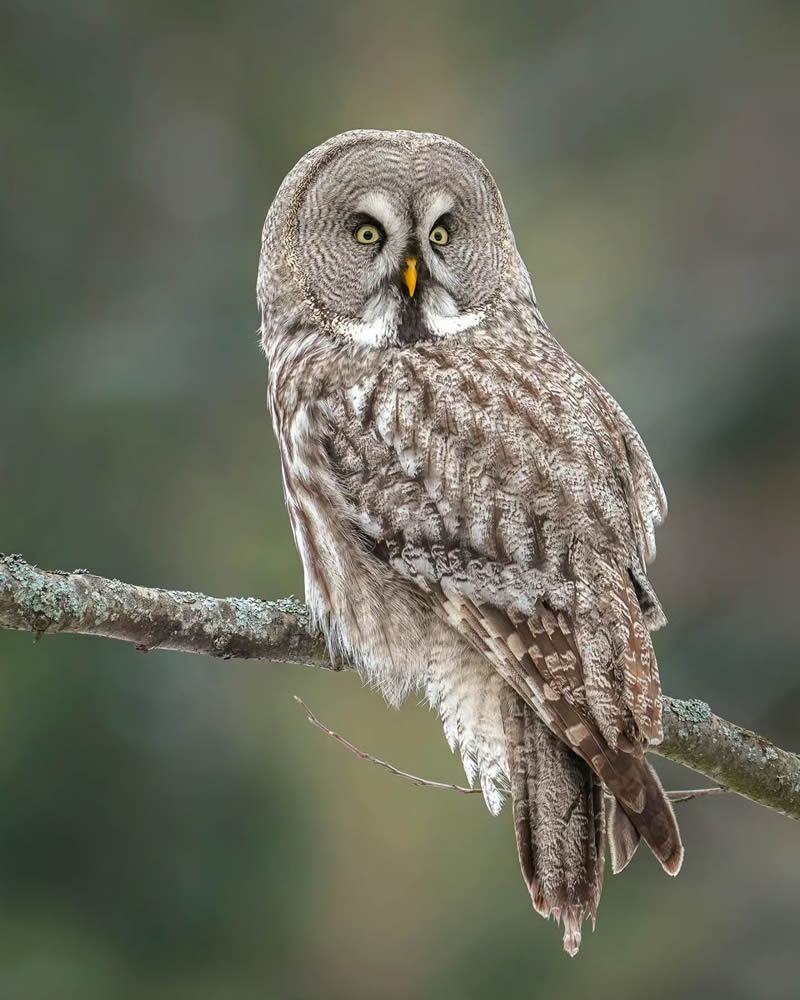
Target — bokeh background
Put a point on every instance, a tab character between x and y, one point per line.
171	827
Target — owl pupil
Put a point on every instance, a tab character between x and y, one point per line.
367	234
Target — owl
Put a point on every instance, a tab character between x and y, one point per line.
473	511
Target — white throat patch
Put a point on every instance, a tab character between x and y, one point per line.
380	324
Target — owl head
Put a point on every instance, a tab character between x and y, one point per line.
387	238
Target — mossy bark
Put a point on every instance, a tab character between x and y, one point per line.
737	758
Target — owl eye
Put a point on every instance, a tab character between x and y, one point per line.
369	234
439	236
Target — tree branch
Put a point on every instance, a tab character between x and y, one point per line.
41	602
243	628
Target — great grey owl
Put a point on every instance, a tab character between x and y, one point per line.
474	512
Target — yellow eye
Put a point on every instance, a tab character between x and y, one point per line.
368	234
439	236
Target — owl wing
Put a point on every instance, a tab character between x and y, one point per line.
538	658
501	481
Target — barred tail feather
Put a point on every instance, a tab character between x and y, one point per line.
558	820
655	823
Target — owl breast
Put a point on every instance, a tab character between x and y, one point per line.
368	612
336	462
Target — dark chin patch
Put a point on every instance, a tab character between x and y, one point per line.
411	326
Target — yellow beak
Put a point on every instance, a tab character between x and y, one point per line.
410	275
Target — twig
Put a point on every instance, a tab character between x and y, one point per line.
679	796
686	794
363	755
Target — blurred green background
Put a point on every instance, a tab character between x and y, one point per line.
170	826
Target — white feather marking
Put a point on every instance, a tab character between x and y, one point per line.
451	326
379	206
441	202
378	324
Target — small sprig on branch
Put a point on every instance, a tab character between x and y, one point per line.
363	755
45	602
681	796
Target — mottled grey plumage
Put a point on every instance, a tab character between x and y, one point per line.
473	510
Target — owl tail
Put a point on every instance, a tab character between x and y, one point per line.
655	823
558	819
